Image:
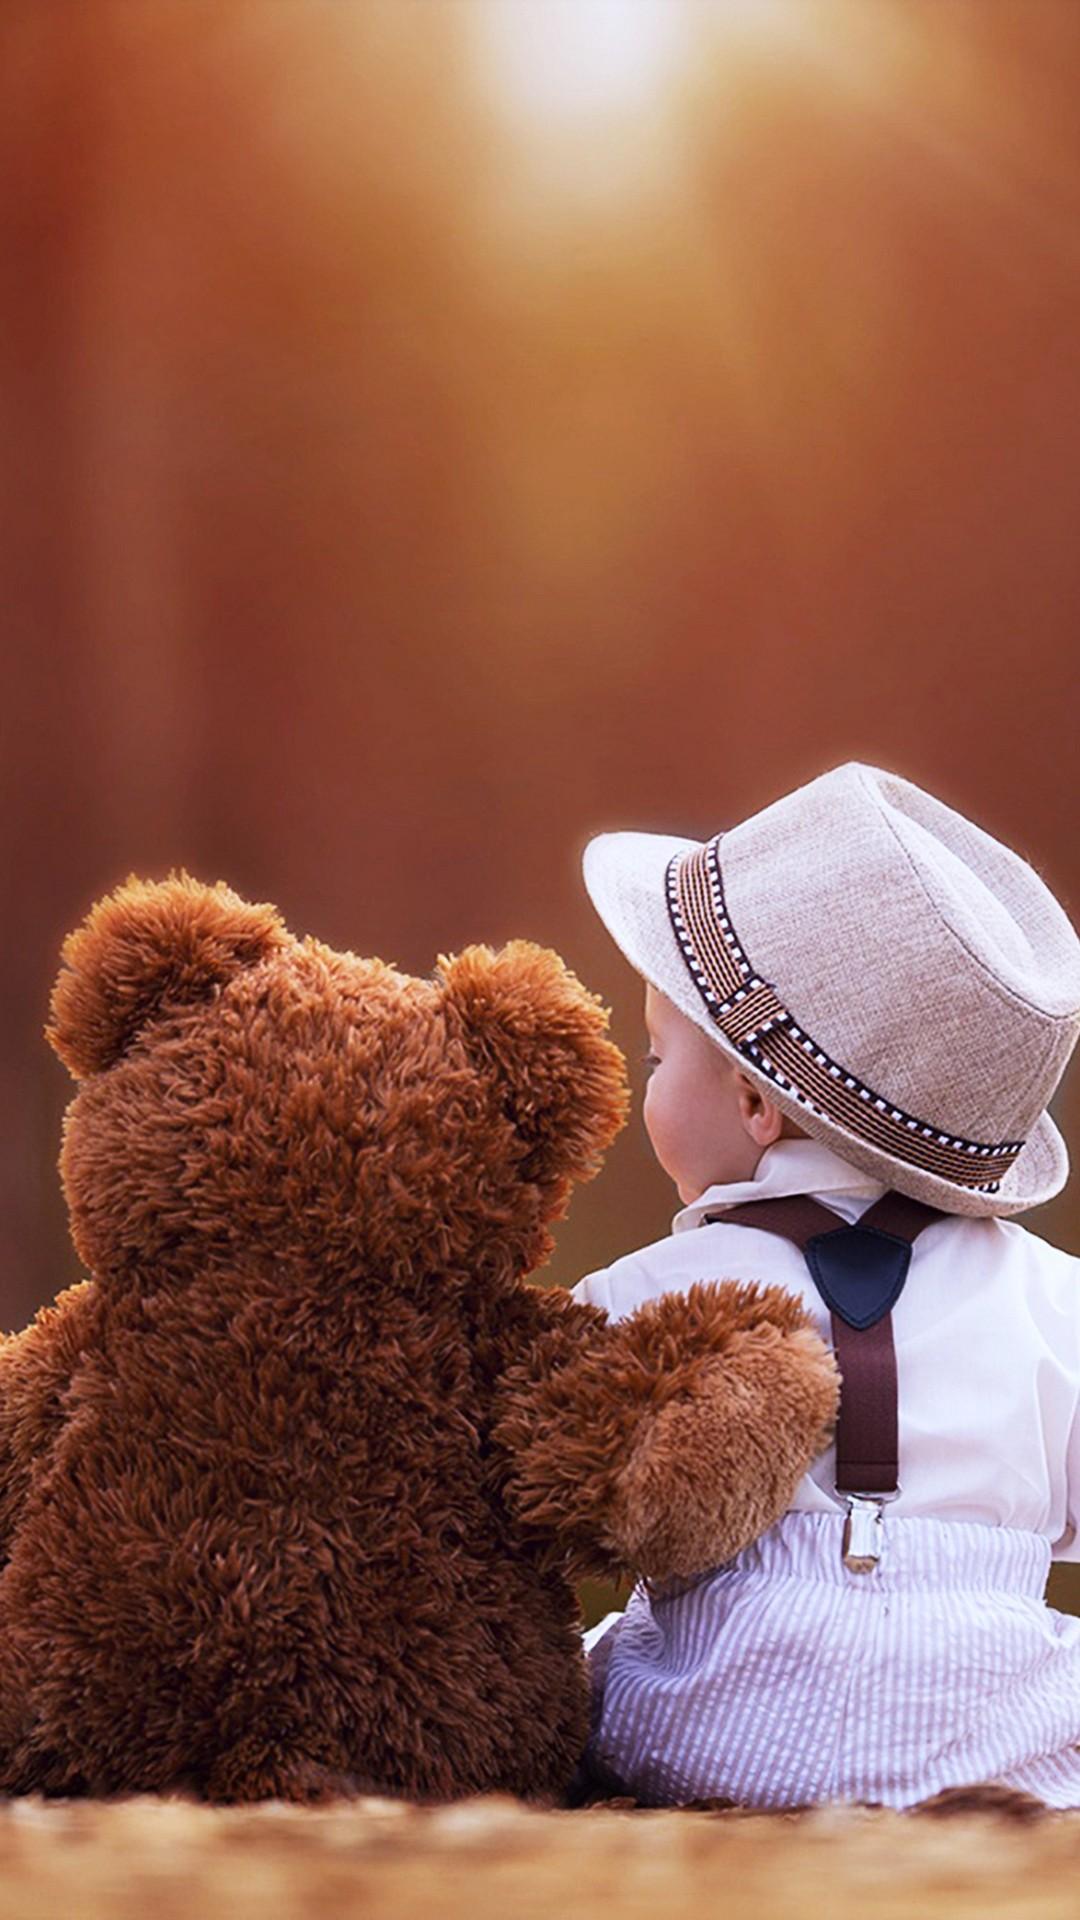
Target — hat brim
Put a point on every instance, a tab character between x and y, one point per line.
625	880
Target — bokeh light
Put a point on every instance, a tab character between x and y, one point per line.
572	62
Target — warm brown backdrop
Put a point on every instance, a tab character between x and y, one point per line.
430	437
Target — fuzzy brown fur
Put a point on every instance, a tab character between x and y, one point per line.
291	1490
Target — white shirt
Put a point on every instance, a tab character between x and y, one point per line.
987	1334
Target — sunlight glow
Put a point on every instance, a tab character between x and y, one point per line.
573	61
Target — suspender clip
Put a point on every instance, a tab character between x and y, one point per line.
861	1548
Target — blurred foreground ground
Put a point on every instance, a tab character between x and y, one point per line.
493	1858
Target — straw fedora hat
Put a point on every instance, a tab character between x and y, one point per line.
899	983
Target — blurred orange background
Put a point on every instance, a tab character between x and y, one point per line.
436	430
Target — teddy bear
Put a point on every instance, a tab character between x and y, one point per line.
295	1485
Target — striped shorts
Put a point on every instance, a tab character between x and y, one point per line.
781	1679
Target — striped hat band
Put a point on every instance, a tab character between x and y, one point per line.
751	1016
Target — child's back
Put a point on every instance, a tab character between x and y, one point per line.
787	1677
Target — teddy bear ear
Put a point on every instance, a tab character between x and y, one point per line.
149	946
545	1035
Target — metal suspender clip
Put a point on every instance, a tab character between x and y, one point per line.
861	1546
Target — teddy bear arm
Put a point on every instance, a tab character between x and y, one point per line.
664	1443
36	1366
554	1458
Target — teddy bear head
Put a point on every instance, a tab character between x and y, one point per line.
246	1096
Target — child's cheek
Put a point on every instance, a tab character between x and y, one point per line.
653	1112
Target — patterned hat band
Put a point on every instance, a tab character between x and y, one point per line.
758	1025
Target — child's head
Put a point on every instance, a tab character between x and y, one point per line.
862	963
708	1122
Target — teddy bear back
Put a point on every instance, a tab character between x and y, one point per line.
309	1187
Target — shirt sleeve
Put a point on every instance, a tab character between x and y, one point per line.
1063	1334
1067	1547
594	1290
628	1283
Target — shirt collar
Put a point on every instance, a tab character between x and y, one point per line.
791	1166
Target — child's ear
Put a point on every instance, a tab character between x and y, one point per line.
544	1035
149	946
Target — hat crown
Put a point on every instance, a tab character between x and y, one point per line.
903	984
929	959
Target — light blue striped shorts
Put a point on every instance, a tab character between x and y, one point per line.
781	1679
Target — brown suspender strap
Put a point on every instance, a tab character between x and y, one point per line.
797	1217
899	1214
867	1449
867	1438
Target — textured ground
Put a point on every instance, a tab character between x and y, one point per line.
485	1859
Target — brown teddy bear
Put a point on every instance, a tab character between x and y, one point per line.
292	1489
